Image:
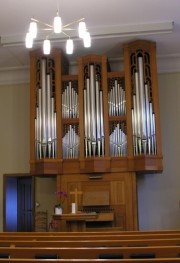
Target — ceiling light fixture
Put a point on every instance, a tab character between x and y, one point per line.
105	32
57	28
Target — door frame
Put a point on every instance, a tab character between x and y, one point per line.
17	175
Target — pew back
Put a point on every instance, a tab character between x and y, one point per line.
154	260
92	233
90	237
90	243
93	252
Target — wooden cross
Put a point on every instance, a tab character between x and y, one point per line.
76	193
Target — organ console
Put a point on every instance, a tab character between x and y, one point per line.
97	123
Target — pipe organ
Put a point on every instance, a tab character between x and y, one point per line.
96	116
98	128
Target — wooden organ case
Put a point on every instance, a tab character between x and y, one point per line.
97	129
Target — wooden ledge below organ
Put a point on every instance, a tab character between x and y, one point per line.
142	163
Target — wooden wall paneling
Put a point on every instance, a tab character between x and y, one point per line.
131	200
119	186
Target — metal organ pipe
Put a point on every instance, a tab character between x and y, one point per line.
98	121
53	123
147	106
49	116
88	117
143	118
44	130
102	122
39	124
85	124
137	113
93	115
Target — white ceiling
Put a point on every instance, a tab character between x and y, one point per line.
101	16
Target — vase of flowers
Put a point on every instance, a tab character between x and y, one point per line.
58	210
61	196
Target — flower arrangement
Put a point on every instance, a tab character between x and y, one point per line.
62	195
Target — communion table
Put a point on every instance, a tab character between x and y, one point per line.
75	222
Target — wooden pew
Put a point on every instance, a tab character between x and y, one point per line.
89	237
154	260
97	233
90	243
92	233
94	252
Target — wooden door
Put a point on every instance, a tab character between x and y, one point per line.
24	198
18	193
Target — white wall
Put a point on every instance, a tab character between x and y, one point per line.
45	189
14	133
159	194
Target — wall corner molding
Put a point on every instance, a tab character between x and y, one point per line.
20	75
16	75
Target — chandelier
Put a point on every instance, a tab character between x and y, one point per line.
57	28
